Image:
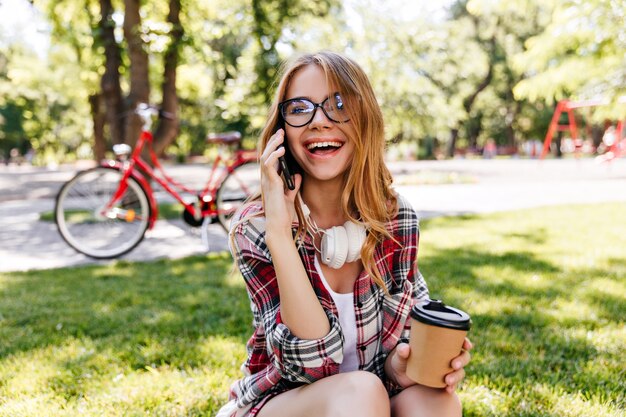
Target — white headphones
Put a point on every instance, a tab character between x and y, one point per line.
340	244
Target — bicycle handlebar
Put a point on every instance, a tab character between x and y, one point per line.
146	112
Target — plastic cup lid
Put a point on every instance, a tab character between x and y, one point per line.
436	313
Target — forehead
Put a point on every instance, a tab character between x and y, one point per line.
309	81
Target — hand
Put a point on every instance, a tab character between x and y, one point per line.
395	366
278	201
453	378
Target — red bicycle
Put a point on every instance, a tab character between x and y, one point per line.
104	212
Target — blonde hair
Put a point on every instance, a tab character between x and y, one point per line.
367	196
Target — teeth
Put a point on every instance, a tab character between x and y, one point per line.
323	145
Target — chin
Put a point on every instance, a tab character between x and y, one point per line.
326	175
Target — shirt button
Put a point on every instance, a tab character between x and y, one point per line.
362	348
359	304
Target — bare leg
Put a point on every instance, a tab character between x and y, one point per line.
358	393
421	401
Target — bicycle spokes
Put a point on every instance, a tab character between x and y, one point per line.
98	219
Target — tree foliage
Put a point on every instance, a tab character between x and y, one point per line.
455	77
579	55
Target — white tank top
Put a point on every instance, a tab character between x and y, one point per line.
347	321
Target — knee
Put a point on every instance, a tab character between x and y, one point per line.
447	404
422	401
363	393
452	403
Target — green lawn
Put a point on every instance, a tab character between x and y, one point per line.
546	289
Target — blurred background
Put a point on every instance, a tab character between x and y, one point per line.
454	78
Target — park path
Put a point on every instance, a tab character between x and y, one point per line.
484	186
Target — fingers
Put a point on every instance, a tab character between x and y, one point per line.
458	364
270	152
467	345
451	388
270	155
453	379
275	140
461	361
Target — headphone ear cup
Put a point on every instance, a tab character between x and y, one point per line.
356	237
334	247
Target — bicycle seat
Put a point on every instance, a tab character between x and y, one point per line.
225	138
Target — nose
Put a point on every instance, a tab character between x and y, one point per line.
320	120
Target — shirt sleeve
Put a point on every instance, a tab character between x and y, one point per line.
297	360
407	264
406	276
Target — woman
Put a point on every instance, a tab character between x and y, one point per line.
330	331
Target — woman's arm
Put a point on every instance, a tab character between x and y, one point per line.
295	359
300	308
406	260
296	293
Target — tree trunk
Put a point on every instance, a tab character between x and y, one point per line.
266	29
98	115
454	134
468	103
139	76
168	129
474	128
110	82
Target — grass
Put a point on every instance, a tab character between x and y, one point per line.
546	289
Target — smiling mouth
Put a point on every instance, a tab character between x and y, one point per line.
323	148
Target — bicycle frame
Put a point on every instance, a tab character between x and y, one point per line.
139	169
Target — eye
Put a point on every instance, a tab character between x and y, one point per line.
298	107
338	102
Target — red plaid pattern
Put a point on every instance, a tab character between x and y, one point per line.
279	361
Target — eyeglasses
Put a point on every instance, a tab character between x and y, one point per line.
298	112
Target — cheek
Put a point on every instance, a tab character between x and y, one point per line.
291	134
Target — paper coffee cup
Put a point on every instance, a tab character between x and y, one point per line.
437	334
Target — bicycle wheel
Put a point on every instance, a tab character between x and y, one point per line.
237	187
85	223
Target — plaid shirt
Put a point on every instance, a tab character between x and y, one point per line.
278	360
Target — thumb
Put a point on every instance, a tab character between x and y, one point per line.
403	350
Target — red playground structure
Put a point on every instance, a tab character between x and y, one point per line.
613	138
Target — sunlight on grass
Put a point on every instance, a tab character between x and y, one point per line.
561	403
546	289
608	339
485	401
571	311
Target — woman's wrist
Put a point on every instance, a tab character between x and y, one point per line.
277	238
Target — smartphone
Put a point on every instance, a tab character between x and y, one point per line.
286	174
286	163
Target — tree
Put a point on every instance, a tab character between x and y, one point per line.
579	55
110	83
511	23
271	17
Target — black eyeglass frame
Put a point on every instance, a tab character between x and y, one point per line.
282	105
